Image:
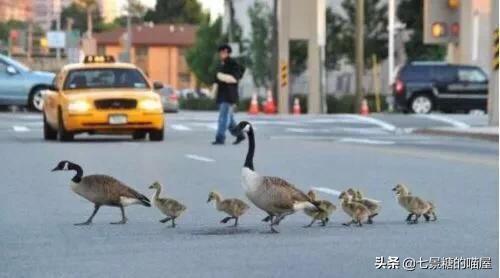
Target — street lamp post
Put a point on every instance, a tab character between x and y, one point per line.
360	18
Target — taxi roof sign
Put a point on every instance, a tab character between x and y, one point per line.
91	59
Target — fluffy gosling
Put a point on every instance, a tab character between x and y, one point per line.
414	205
357	211
234	207
372	205
170	207
323	215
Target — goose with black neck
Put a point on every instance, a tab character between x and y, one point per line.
274	195
102	190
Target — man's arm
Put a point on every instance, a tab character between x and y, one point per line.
227	78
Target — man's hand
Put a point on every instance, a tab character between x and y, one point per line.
226	78
213	92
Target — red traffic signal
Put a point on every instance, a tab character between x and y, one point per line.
455	29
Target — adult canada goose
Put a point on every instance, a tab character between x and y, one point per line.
414	205
234	207
277	197
102	190
170	207
323	215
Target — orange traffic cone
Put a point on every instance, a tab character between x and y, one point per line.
365	110
270	108
254	106
296	107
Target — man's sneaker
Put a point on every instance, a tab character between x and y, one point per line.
217	143
239	139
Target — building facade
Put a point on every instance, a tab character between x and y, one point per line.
16	9
47	11
158	50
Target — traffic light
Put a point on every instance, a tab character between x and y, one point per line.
441	21
438	29
495	50
284	74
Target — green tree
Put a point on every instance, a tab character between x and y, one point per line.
375	35
78	14
202	58
410	12
260	44
334	47
176	11
5	28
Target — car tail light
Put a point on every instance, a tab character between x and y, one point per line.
173	96
400	86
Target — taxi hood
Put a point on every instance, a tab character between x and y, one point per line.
95	94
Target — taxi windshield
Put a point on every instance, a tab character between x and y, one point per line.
102	78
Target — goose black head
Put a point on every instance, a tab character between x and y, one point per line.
243	126
62	166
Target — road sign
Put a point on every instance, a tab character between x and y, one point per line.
284	74
56	39
495	50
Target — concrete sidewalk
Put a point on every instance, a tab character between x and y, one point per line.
489	133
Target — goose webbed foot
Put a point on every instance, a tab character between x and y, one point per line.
235	222
123	221
173	222
408	219
323	222
165	220
427	217
88	222
226	219
347	224
274	231
310	224
370	221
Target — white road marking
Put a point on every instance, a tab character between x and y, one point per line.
212	126
327	190
369	120
298	130
365	141
444	119
20	128
181	127
332	121
199	158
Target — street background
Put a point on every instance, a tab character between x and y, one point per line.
38	209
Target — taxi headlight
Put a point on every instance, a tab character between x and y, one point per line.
150	104
78	106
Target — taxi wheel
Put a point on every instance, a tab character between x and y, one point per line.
156	135
64	135
48	132
139	135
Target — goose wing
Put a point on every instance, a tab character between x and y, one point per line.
111	189
235	206
282	194
170	204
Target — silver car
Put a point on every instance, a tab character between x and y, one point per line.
169	99
21	86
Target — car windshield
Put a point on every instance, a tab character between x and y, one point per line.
16	64
102	78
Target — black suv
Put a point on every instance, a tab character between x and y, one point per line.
422	87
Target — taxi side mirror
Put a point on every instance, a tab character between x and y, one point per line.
157	85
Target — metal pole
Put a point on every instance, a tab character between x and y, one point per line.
128	43
274	53
58	28
30	42
391	27
360	67
89	22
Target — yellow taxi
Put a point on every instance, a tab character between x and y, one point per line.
101	96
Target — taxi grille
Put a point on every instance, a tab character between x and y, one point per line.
115	103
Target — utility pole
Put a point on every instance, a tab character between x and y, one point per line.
274	52
128	43
359	44
30	42
89	22
391	27
58	28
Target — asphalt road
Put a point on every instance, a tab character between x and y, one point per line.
37	238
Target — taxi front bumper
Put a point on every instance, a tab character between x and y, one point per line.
101	121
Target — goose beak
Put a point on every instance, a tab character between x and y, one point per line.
55	169
209	199
394	189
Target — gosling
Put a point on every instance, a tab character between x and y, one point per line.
234	207
170	207
357	211
327	208
372	205
414	205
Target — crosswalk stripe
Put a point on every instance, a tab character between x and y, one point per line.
366	141
199	158
181	127
20	128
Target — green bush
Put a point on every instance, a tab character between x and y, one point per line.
206	104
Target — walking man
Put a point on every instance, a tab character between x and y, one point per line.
229	72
